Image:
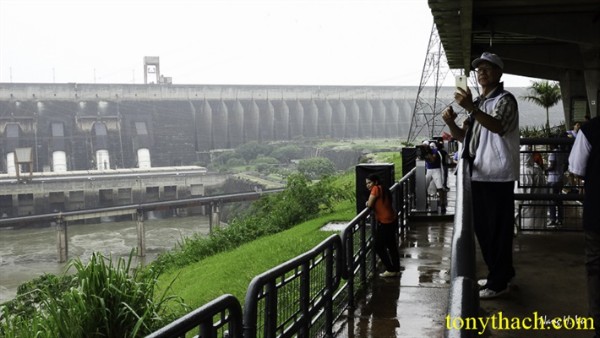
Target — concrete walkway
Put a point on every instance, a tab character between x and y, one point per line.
550	283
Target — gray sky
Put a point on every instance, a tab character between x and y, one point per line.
280	42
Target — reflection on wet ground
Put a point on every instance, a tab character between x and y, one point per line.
550	283
394	307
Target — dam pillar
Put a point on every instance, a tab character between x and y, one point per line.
62	243
141	233
214	219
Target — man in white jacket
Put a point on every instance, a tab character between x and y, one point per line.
491	146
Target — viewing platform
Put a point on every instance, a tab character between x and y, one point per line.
550	283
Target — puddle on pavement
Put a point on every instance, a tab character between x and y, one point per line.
334	226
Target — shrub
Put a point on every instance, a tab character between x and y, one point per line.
235	162
299	202
102	300
317	167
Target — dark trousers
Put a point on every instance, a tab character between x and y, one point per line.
493	218
556	208
592	268
386	245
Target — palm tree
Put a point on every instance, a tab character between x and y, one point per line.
545	94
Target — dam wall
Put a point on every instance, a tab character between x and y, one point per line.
110	126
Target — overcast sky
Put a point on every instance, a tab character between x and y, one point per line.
279	42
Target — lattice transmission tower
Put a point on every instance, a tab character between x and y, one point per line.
426	118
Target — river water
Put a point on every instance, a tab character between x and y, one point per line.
28	253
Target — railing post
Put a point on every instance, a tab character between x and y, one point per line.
349	249
329	272
271	310
141	233
304	330
61	239
364	247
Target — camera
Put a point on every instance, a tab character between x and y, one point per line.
423	150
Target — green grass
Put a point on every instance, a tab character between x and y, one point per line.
231	272
106	298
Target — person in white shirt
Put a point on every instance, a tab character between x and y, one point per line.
584	161
491	146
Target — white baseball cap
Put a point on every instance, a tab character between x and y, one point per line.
489	57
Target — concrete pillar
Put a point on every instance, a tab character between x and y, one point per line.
352	120
391	119
420	187
267	118
310	119
379	113
251	122
366	119
296	119
220	137
324	119
204	125
591	74
141	233
214	219
62	243
281	129
338	120
235	123
592	77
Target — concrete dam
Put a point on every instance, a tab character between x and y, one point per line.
109	126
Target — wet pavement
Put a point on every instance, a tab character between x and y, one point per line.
414	304
549	284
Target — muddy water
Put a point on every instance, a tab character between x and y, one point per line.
27	253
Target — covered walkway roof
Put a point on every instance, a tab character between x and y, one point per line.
550	39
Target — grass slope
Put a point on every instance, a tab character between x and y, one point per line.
231	272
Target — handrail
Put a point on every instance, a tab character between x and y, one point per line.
267	289
317	301
463	301
226	307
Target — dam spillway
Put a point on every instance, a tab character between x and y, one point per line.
77	126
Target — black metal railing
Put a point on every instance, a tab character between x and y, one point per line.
296	297
541	205
307	295
221	317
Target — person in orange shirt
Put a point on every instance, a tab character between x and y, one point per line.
386	236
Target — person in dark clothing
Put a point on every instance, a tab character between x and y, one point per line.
444	159
584	161
386	229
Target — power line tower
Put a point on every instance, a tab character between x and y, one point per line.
426	119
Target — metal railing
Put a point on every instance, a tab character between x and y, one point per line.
220	317
296	297
134	208
306	296
539	204
60	219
